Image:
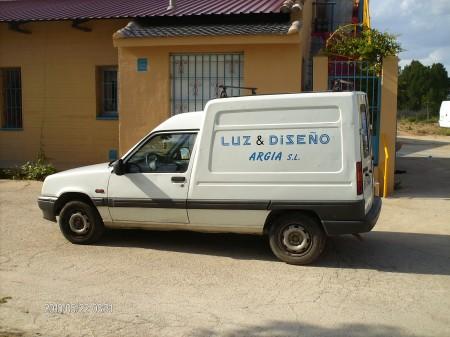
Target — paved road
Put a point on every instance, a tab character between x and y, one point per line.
396	282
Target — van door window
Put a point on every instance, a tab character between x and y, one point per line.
365	131
165	152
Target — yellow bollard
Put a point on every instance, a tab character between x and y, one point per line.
386	159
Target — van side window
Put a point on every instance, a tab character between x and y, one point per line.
365	131
165	152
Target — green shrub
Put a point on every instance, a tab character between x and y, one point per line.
368	45
36	170
31	170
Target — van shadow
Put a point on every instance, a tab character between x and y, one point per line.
237	246
382	251
411	253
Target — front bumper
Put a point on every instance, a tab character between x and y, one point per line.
355	226
47	205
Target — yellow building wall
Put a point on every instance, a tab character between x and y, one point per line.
144	100
59	88
320	73
59	103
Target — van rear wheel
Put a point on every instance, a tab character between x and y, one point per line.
297	238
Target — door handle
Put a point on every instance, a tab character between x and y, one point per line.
178	179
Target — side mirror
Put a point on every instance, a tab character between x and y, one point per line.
119	167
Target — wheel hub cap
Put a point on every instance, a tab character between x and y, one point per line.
79	223
296	239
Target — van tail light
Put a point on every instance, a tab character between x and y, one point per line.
359	178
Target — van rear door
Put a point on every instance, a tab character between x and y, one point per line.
366	157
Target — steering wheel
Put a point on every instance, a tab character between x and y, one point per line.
151	159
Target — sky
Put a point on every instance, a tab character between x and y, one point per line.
422	26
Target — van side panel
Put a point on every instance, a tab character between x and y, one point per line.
228	220
296	147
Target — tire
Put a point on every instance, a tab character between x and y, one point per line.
297	238
80	223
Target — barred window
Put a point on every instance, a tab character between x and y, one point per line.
107	86
195	78
11	98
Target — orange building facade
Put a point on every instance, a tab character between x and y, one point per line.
84	91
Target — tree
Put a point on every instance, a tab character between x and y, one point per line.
438	86
413	86
422	87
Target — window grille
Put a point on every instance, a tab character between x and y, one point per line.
108	78
195	78
12	98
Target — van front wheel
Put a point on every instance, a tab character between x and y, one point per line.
297	239
80	223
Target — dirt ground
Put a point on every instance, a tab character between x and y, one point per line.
395	282
421	128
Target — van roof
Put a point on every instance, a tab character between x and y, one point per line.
183	121
194	120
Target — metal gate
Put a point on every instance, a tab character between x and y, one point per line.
361	76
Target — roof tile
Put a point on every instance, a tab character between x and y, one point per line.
134	29
43	10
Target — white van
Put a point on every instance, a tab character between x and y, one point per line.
444	115
297	167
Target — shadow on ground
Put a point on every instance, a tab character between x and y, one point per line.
411	146
397	252
423	177
238	246
287	329
279	329
383	251
426	167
